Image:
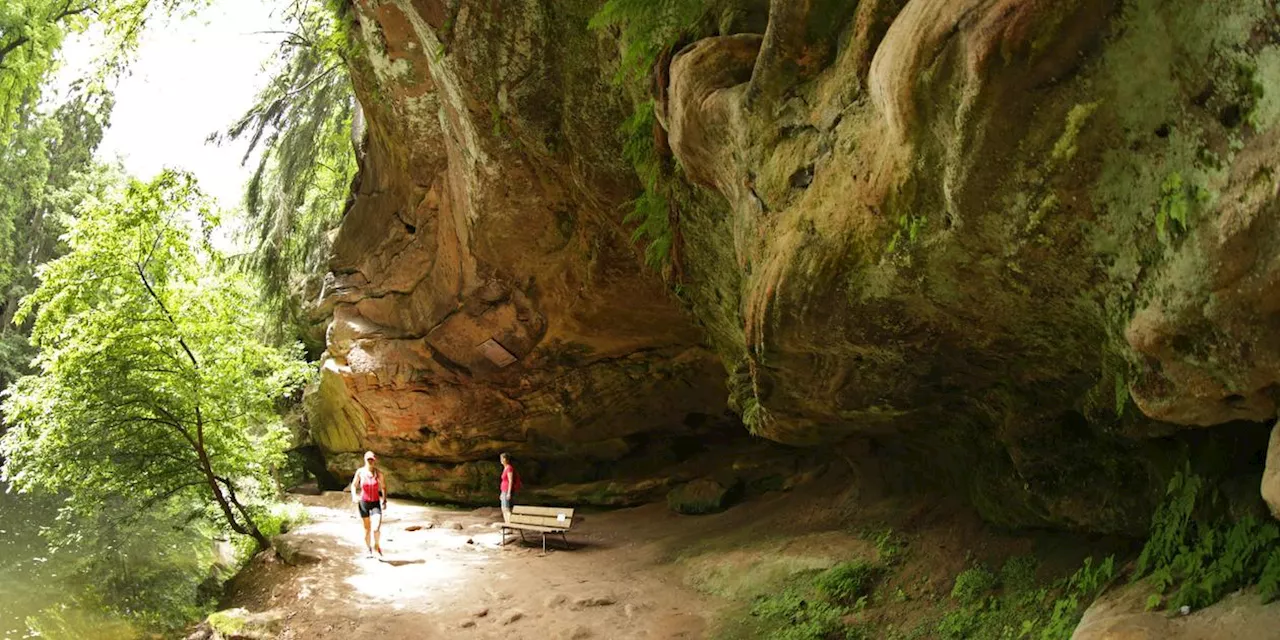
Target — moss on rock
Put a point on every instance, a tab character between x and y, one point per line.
698	497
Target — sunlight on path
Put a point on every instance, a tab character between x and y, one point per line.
414	562
450	578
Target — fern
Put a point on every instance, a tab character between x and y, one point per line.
1202	560
651	211
1269	581
1171	524
647	28
1082	587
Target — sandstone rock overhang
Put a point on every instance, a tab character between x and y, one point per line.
1029	245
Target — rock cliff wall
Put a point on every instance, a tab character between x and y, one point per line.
1029	244
484	294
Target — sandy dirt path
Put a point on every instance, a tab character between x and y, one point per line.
452	579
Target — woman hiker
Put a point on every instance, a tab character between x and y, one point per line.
509	485
369	492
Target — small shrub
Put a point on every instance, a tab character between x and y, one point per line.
890	547
282	517
847	581
974	584
1019	574
961	624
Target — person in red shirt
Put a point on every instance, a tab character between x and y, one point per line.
509	485
369	492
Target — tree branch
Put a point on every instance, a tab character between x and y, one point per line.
156	297
65	13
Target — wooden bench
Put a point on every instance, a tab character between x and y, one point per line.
542	520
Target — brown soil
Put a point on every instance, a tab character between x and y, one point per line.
632	573
446	582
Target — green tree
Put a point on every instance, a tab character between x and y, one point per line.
150	387
32	32
45	168
302	125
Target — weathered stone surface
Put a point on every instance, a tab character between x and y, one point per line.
295	550
1028	244
698	496
486	224
1121	615
1271	475
240	624
976	233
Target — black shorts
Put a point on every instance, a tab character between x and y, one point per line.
367	508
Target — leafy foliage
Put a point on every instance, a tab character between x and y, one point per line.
647	28
973	584
150	387
32	32
45	169
651	211
302	124
143	565
1014	607
891	546
909	228
1019	573
1177	201
1195	558
813	606
1081	588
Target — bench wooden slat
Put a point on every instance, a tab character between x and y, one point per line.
542	511
534	527
542	521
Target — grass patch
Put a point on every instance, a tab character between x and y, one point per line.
847	582
813	605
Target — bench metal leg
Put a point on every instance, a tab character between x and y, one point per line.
544	544
564	540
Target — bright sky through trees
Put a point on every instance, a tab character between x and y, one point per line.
191	78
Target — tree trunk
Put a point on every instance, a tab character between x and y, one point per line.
224	502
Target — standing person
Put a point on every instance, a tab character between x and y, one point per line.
369	492
509	485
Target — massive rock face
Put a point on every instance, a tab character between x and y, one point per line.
978	228
484	294
1030	244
